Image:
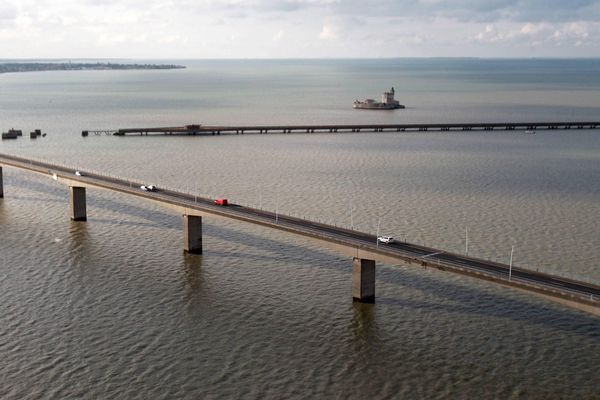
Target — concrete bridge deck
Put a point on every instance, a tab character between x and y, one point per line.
197	129
359	245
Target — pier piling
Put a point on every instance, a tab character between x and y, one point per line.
192	234
78	208
363	280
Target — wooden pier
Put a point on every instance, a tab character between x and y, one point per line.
196	129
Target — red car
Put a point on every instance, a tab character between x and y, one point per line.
221	202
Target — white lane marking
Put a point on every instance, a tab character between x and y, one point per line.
432	254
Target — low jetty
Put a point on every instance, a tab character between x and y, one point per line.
15	133
197	129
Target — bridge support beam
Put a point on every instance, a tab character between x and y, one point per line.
192	234
1	184
363	280
78	209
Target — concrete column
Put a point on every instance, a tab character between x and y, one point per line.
78	210
1	185
192	234
363	280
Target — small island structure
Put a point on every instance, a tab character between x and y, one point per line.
12	134
387	102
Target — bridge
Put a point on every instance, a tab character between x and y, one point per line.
362	247
197	129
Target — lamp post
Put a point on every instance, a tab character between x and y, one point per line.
466	241
512	249
277	209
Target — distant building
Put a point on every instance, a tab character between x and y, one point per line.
387	102
12	134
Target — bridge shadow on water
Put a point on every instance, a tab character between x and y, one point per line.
446	296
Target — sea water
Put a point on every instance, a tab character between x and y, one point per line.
112	308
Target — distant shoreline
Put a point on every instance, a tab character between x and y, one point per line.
37	67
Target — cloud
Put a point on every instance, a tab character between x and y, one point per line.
279	35
459	10
108	39
490	35
8	12
298	28
556	10
538	34
329	32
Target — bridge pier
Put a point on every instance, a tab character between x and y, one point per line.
78	209
192	234
1	185
363	280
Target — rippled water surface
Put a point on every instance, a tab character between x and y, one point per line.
112	308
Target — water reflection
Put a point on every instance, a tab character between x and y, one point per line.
192	269
194	283
78	233
364	325
2	212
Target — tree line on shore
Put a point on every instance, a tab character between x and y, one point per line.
68	66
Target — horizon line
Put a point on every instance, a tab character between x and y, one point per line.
302	58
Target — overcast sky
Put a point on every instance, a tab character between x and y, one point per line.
298	28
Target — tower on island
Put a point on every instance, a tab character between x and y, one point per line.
388	97
387	102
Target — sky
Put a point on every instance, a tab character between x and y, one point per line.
190	29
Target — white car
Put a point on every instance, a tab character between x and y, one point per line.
78	173
385	239
149	188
